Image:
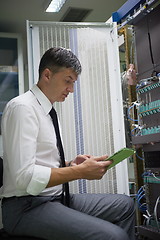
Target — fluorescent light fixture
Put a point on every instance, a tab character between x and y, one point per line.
55	5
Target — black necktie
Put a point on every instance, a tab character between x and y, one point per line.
53	115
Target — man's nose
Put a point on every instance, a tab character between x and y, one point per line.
70	89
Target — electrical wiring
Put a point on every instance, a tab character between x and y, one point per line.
155	176
150	174
147	217
140	196
154	216
139	157
140	190
128	112
134	130
155	212
143	207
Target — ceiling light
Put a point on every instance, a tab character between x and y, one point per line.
55	5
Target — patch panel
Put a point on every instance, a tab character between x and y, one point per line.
150	108
150	179
148	88
152	130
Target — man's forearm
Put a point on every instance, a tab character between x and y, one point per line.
62	175
90	169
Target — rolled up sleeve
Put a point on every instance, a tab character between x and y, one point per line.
39	180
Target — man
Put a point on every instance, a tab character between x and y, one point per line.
33	198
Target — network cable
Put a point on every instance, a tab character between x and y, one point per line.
155	176
140	196
129	109
147	217
139	157
155	212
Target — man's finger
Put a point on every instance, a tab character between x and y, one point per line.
102	158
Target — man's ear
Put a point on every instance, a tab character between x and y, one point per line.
46	74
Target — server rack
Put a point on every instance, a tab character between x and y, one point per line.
144	18
148	136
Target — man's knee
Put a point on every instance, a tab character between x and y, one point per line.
115	233
130	205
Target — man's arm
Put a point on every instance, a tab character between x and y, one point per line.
92	168
20	130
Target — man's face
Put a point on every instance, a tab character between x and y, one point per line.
61	84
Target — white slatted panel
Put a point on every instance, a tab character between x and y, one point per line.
95	95
85	117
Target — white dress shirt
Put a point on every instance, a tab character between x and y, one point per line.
29	145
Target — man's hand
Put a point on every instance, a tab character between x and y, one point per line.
94	167
82	167
80	159
91	167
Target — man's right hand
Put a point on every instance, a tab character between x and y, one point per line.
94	167
90	168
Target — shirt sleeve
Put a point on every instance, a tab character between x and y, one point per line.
21	127
39	180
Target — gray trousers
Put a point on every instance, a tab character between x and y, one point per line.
90	217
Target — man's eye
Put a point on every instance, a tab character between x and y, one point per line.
67	81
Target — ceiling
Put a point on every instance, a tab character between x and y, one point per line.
14	13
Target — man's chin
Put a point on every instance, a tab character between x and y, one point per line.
61	100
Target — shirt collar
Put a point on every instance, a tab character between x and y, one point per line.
42	99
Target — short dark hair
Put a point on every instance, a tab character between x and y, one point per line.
58	57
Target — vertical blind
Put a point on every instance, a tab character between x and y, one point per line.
86	115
